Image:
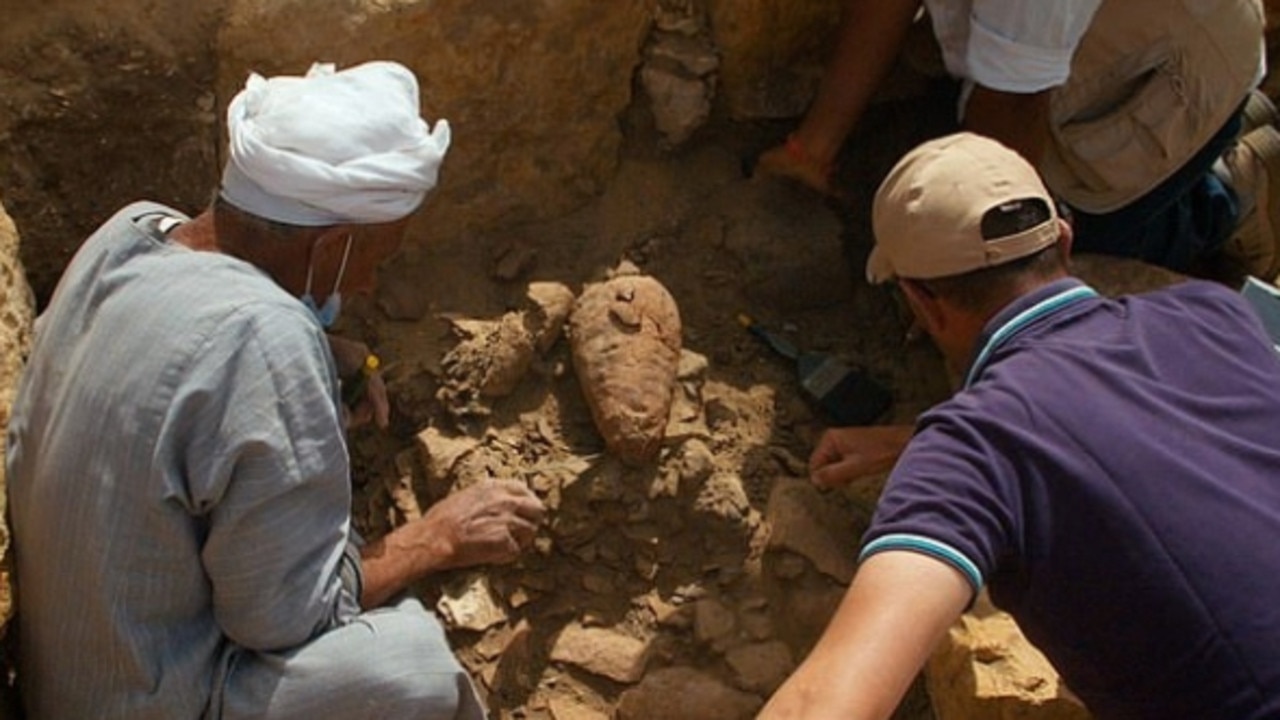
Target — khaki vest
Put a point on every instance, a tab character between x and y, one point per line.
1151	83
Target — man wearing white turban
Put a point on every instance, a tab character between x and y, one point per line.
178	474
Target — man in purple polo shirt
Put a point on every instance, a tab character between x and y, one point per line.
1110	471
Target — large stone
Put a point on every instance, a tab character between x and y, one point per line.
985	669
16	308
532	90
601	651
16	313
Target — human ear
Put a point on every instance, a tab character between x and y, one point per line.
1065	238
924	305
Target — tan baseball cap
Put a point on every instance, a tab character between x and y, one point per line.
928	213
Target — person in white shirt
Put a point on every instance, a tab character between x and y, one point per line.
1131	109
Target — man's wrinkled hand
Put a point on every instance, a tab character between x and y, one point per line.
844	455
492	522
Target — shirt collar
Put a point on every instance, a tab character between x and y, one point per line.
1022	313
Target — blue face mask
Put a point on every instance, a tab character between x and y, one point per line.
327	314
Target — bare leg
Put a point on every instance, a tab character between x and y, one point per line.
871	36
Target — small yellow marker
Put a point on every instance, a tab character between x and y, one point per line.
353	389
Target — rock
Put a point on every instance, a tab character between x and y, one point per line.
683	692
470	604
400	487
692	367
696	463
986	669
549	306
691	55
518	664
722	496
789	566
601	651
441	453
16	313
761	667
678	78
755	623
688	419
714	624
802	520
680	104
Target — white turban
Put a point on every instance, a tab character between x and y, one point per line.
332	147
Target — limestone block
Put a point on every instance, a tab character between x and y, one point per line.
601	651
471	604
16	309
680	104
532	89
985	669
678	77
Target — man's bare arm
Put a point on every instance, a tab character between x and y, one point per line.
484	524
895	612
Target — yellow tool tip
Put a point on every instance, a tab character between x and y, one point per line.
745	320
371	363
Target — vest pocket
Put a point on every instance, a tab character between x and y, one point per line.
1127	149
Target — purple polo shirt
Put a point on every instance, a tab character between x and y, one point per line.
1112	473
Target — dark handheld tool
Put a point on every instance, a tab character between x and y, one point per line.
353	387
845	394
